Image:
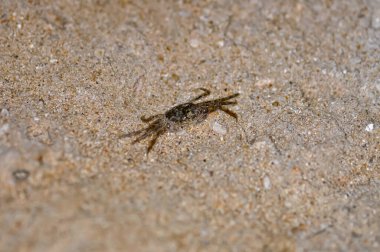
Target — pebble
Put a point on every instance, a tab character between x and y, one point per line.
194	43
378	85
369	127
263	83
20	174
218	128
376	19
267	183
4	129
4	112
99	53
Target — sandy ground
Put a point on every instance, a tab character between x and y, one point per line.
299	171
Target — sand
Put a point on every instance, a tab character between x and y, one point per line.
298	171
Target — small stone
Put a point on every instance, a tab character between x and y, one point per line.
264	83
4	129
20	175
369	127
218	128
184	14
377	85
194	43
4	112
260	145
266	182
376	19
99	53
53	61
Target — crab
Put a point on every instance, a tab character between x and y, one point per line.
180	116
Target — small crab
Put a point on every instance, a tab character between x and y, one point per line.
180	116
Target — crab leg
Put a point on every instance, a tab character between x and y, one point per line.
148	119
228	103
153	141
227	98
205	93
229	112
154	127
133	133
145	131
